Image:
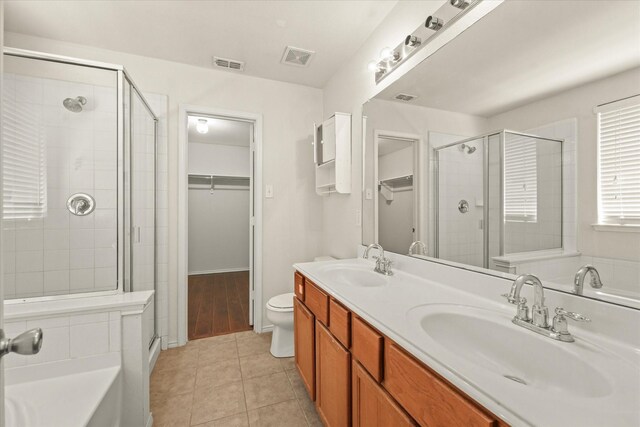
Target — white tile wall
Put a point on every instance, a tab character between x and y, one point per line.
68	337
40	255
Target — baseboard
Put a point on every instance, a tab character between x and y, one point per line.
220	270
173	344
150	420
154	352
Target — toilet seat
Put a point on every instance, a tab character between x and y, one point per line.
281	303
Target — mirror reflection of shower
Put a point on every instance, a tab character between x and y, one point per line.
470	149
74	104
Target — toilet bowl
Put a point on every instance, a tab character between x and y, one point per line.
280	313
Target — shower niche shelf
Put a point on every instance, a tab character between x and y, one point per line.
332	154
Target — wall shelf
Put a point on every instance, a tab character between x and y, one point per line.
332	155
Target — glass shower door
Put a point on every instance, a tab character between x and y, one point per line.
142	204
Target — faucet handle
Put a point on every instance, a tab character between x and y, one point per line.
513	301
572	315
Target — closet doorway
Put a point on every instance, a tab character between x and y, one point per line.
220	167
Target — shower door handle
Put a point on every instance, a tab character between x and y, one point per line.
27	343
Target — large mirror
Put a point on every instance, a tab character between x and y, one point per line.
516	149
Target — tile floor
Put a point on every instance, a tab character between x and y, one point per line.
229	380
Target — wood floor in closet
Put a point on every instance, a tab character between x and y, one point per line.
218	304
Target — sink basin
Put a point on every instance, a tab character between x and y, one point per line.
484	339
353	275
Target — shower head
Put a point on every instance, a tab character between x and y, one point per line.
469	148
74	104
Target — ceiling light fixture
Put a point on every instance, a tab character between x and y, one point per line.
386	54
434	23
373	66
412	41
460	4
202	126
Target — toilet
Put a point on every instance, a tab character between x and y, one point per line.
280	313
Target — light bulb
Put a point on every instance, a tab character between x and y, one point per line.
386	54
202	126
373	66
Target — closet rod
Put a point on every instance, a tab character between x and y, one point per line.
197	175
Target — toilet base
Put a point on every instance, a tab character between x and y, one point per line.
282	342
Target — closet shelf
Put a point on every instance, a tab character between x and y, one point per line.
398	183
218	182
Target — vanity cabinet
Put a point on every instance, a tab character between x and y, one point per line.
357	376
333	379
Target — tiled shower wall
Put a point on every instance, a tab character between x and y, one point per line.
63	253
460	176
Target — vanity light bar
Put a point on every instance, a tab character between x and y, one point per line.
446	15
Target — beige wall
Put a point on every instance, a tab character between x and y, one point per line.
292	219
347	90
579	103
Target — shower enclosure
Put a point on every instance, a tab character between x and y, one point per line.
497	194
78	159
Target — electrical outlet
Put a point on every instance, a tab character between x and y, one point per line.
268	191
358	218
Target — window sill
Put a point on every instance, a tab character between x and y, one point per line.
625	228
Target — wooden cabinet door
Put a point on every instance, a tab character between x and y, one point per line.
304	341
372	405
333	379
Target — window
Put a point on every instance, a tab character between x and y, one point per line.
520	179
619	162
23	161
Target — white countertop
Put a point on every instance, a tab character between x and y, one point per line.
387	307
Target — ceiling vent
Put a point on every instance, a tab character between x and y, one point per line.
296	56
229	64
405	97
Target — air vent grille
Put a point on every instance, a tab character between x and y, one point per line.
405	97
296	56
229	64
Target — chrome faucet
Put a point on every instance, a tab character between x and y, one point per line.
383	265
539	320
422	248
578	281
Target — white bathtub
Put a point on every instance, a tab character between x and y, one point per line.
69	393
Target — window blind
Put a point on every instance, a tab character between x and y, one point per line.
24	179
619	162
520	179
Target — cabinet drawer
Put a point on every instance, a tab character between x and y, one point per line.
340	325
298	285
367	347
317	301
426	397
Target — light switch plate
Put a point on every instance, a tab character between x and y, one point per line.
368	194
268	191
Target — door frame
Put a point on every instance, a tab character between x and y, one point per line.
185	111
419	173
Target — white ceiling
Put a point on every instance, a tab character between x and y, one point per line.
221	131
389	145
524	51
192	32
